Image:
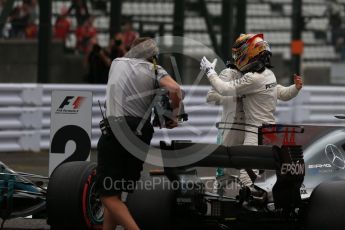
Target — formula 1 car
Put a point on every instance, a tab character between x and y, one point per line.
306	192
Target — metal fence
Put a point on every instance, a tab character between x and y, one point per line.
25	113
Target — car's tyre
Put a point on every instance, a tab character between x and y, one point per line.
72	202
152	204
326	207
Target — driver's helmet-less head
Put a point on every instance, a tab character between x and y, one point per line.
251	53
143	48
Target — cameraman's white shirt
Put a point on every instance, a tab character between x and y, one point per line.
131	86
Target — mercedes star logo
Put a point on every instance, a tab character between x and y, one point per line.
335	156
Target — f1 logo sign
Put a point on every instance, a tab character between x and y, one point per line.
76	104
70	134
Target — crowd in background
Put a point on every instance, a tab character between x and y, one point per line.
22	22
99	59
23	19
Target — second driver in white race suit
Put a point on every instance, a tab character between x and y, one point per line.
253	87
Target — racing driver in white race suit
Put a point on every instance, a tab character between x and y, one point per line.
253	86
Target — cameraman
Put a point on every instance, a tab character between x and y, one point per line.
99	63
131	85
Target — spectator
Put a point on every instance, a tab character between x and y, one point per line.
129	35
33	9
5	33
99	65
31	30
81	11
62	25
19	19
86	36
116	47
333	13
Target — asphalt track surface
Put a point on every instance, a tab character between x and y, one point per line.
37	163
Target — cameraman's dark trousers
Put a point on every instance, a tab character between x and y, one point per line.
118	170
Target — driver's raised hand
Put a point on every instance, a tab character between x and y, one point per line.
208	67
298	81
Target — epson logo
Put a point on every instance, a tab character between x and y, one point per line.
292	169
318	166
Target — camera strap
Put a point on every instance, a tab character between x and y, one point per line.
148	112
155	68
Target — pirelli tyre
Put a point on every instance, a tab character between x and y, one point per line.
326	207
72	202
152	203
